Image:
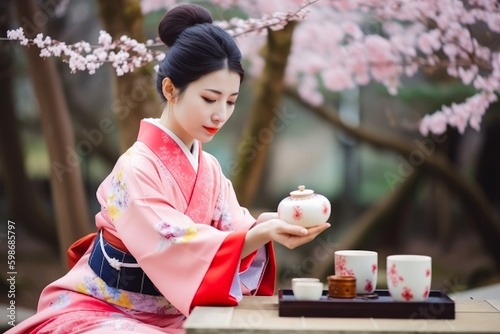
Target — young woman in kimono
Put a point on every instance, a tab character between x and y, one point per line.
172	235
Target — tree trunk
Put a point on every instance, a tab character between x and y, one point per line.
24	207
253	151
105	148
68	193
135	97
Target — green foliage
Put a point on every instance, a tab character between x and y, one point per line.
435	94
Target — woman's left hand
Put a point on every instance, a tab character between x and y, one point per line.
265	216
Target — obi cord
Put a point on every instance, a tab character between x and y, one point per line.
119	269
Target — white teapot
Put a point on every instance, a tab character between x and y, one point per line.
304	208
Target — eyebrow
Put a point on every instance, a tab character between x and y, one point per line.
220	93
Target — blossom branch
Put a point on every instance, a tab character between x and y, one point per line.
126	54
415	34
237	27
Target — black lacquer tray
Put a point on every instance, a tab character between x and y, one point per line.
437	306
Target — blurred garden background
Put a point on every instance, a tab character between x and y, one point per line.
394	188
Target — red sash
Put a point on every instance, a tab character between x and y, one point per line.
78	248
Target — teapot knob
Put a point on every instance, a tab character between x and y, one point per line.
302	192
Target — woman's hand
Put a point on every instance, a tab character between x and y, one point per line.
265	216
270	228
292	236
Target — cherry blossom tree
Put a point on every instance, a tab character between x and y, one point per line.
340	52
343	44
339	45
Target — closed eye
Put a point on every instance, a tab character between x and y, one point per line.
208	100
231	103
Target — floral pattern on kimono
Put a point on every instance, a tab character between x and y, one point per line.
222	216
118	196
175	234
94	286
63	300
117	323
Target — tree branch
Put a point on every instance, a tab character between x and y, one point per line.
486	219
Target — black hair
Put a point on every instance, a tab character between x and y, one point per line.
196	47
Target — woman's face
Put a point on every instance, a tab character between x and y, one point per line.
204	106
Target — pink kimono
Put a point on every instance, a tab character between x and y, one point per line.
174	212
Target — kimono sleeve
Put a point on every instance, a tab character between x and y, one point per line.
242	220
174	251
229	215
267	280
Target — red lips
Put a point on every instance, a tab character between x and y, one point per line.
211	130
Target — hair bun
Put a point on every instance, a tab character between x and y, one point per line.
179	18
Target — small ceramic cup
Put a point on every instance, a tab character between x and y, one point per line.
303	279
409	277
361	264
307	290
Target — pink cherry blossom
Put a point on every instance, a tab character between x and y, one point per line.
457	117
352	29
424	125
308	91
467	75
438	123
337	79
429	42
341	43
493	20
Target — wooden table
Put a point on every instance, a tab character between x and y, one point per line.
260	315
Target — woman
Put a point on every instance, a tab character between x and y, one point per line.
172	235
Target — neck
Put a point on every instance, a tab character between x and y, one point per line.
165	121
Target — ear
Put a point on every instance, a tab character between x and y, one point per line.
168	89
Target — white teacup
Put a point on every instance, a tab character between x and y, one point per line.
307	290
303	279
409	277
361	264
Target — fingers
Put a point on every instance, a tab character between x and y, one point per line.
302	231
270	215
266	216
318	229
305	235
296	230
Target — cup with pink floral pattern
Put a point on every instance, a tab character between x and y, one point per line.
361	264
409	277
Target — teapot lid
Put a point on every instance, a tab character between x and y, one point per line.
302	192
